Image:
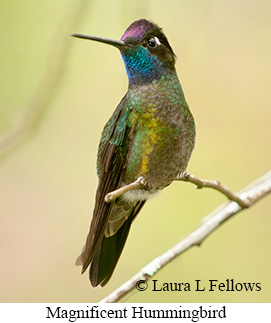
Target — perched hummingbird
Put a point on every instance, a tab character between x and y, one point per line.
151	134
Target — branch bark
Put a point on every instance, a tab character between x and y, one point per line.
186	177
253	192
137	184
200	183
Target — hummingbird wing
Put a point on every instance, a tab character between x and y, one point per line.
103	252
109	251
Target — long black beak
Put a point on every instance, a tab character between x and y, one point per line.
116	43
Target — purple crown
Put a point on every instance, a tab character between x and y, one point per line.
137	29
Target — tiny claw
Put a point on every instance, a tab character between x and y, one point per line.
143	183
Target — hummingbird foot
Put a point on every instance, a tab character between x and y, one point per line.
183	176
140	183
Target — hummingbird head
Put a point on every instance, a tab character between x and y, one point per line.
145	50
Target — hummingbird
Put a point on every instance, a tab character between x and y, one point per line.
151	134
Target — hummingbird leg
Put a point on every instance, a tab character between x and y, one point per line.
137	184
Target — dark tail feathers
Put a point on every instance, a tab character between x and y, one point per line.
109	251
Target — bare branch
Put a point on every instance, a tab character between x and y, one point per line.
186	177
200	183
253	192
137	184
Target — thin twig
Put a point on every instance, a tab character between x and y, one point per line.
254	192
187	177
137	184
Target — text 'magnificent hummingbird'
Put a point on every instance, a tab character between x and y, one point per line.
150	134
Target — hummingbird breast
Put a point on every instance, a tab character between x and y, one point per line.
162	136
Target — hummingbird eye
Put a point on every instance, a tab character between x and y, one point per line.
153	42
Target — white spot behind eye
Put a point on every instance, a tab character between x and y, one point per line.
157	40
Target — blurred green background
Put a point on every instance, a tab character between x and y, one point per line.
63	90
